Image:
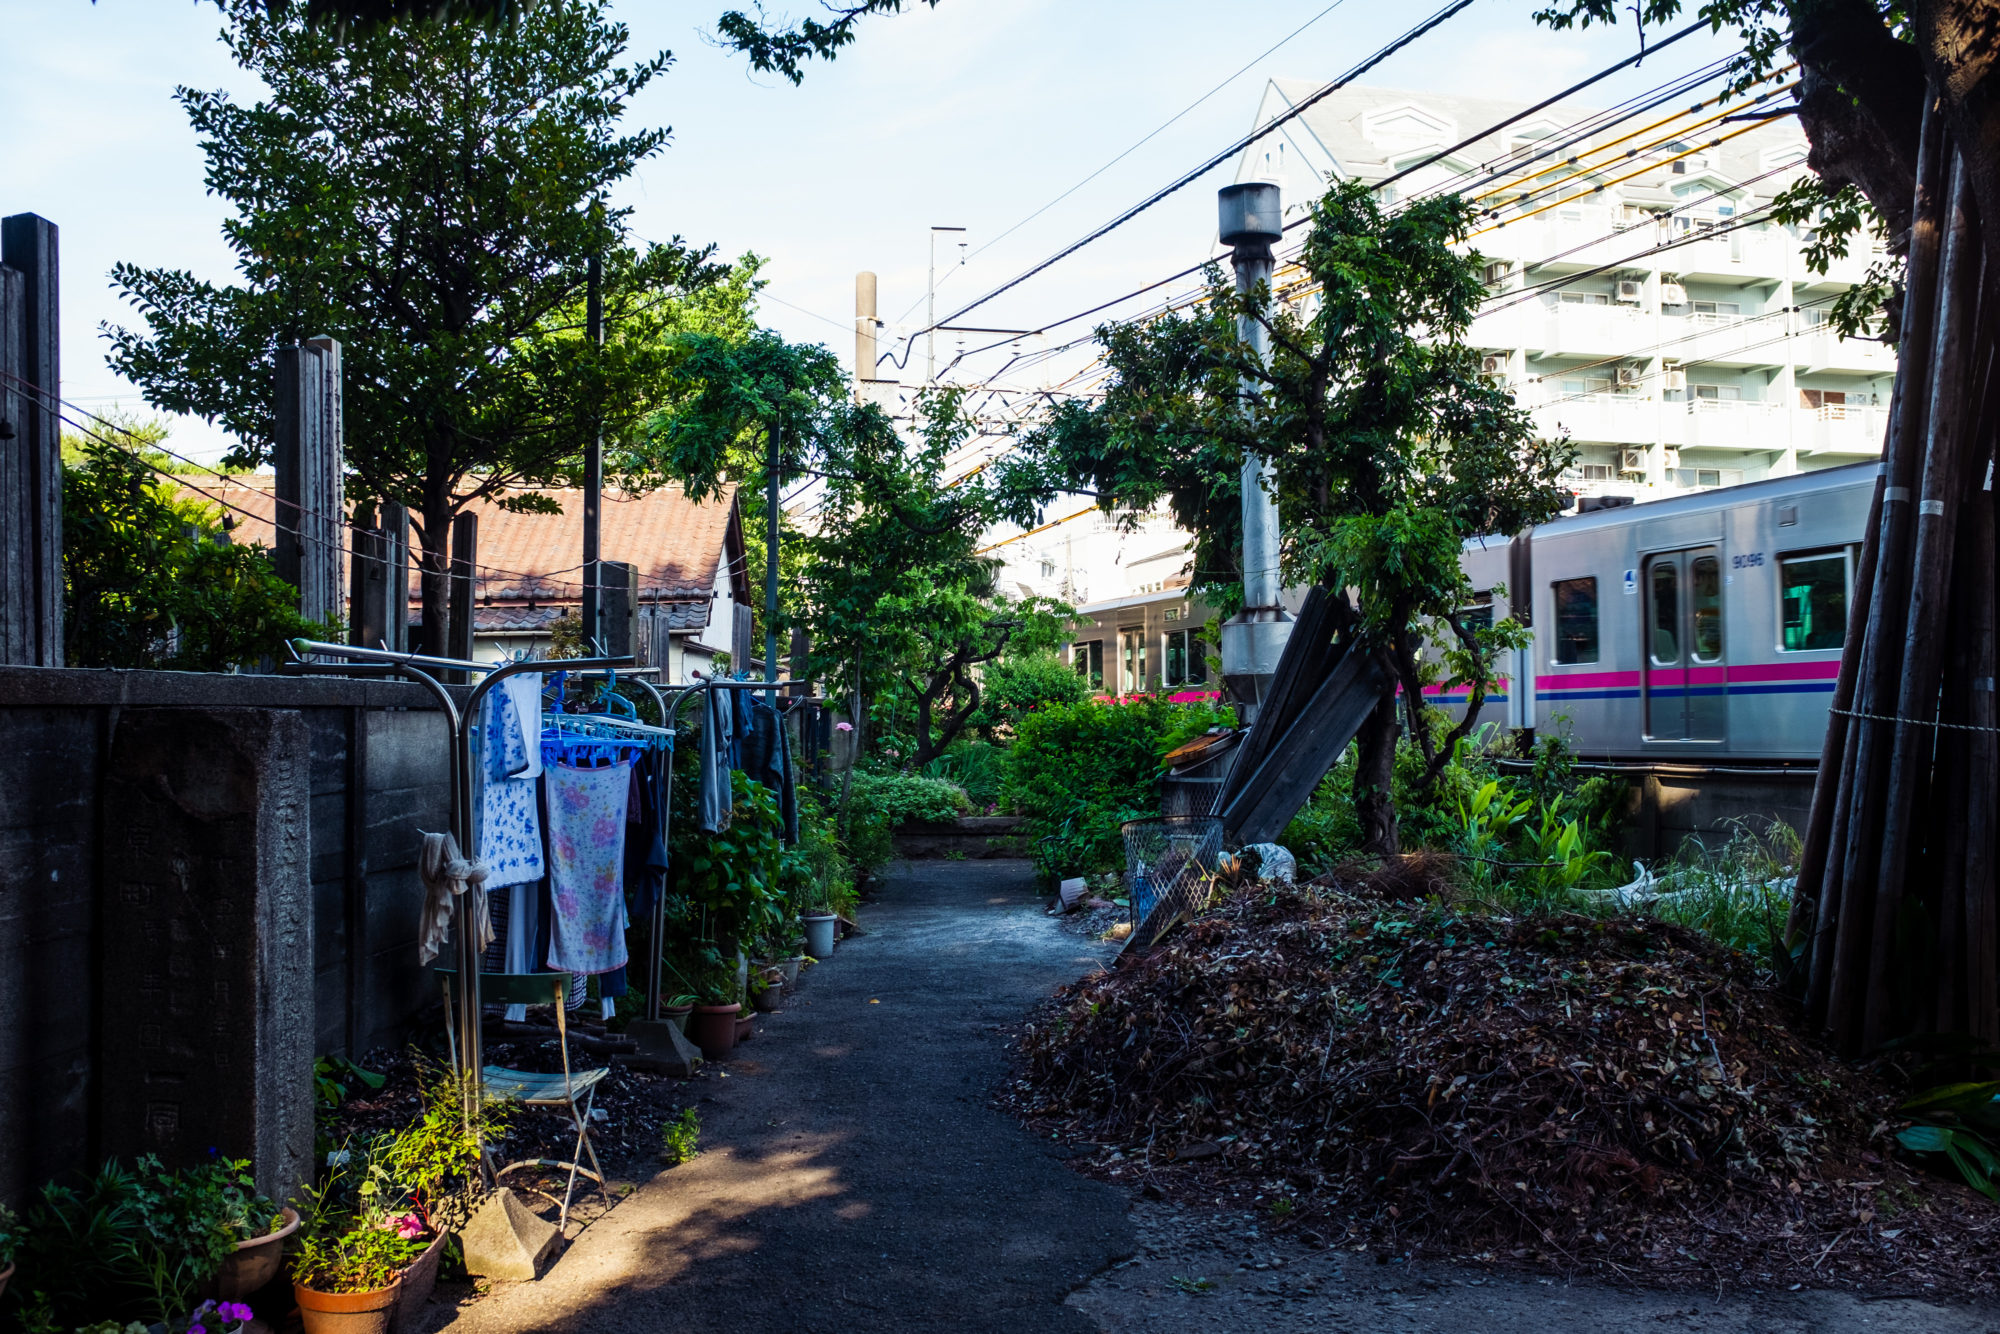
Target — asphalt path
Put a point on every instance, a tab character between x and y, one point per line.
853	1174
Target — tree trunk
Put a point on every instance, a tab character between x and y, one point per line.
1374	779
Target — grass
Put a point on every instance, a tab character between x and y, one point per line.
1193	1287
680	1138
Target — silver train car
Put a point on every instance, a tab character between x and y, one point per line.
1699	629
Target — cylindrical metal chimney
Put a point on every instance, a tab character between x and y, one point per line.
1250	218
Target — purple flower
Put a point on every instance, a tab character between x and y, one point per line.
197	1329
236	1313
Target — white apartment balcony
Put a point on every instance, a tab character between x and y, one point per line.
1573	329
1838	429
1820	349
1845	272
1723	340
1733	257
1631	421
1612	419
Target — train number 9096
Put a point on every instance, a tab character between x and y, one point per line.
1749	560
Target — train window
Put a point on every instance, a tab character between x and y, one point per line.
1576	620
1705	592
1185	662
1812	589
1664	638
1089	660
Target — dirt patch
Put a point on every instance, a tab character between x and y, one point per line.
1613	1096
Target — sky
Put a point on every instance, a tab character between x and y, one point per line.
975	114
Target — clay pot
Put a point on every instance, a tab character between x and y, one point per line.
347	1312
414	1288
772	998
5	1274
677	1015
743	1030
254	1263
819	934
713	1029
790	968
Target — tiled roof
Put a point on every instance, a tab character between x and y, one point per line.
677	545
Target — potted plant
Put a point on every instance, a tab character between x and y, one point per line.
351	1256
425	1178
712	1027
677	1010
767	990
259	1226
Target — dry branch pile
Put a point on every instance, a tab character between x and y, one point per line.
1616	1094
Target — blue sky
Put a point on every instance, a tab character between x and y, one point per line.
975	115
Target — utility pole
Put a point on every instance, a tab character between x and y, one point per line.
930	319
1254	639
593	471
864	329
771	562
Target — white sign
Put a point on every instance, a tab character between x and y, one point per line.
1631	581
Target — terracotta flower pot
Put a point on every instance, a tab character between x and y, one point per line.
713	1029
254	1263
347	1312
414	1288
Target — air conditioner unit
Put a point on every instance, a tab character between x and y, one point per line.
1673	294
1631	460
1628	291
1677	381
1493	364
1672	457
1629	376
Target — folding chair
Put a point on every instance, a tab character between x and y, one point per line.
572	1091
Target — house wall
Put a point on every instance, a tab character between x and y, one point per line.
361	763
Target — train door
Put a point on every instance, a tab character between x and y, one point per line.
1684	677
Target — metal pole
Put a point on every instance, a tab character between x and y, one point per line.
864	329
771	562
593	471
930	317
1251	220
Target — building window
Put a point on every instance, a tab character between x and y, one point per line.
1576	620
1699	477
1184	661
1595	384
1717	393
1088	658
1599	472
1131	659
1812	592
1569	298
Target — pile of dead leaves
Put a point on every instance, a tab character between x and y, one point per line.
1616	1094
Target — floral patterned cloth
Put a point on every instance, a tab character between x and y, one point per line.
586	866
510	827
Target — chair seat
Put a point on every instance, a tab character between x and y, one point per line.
537	1090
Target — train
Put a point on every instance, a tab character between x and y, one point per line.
1703	630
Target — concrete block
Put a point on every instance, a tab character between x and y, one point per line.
663	1048
505	1239
207	989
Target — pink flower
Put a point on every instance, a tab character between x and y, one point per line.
408	1226
843	727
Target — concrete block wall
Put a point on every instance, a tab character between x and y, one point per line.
369	762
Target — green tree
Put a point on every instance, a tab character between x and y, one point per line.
1020	683
1389	448
424	194
150	576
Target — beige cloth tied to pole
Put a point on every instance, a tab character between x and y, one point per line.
446	875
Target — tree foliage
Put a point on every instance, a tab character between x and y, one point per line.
150	576
424	195
1389	446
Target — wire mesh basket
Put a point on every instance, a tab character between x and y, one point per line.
1169	865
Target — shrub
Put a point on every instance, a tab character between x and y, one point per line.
901	799
977	767
1013	688
1077	771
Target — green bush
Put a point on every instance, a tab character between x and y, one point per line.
977	767
901	799
1077	771
1013	688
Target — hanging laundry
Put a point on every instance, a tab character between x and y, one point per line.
447	875
767	759
509	838
717	796
586	856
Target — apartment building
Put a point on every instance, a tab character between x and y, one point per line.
1641	301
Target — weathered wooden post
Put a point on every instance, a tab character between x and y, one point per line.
464	590
379	600
311	513
31	597
618	607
